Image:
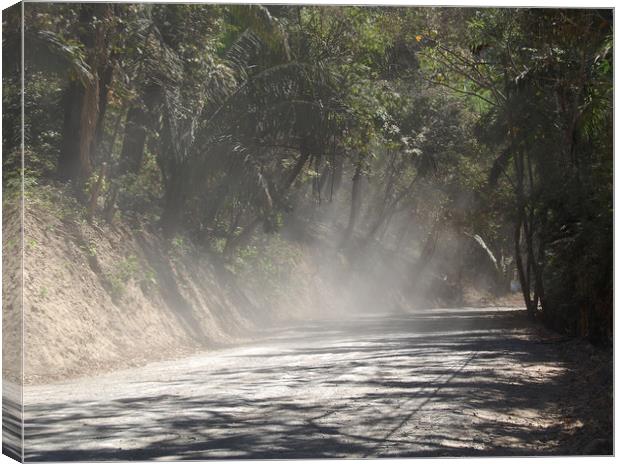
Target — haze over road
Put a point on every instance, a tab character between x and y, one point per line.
436	382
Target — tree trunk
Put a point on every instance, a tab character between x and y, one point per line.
428	250
174	202
305	155
323	181
213	206
136	126
81	105
386	208
400	240
75	163
336	177
69	161
96	190
134	140
105	74
523	273
356	202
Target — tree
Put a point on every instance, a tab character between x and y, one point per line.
85	101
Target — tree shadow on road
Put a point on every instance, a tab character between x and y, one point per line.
465	384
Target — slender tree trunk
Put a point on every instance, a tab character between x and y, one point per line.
136	130
426	255
404	230
134	140
386	207
303	158
316	181
105	74
522	269
523	273
88	126
109	207
323	180
356	202
384	215
110	203
174	201
519	166
336	177
96	190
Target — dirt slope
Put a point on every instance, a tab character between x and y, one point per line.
99	297
11	289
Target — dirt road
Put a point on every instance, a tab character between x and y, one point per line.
431	383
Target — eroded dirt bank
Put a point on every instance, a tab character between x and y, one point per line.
99	298
453	382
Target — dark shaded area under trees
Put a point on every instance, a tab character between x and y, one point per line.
486	133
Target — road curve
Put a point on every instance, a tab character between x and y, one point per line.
442	382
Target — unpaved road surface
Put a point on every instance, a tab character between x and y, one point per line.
452	382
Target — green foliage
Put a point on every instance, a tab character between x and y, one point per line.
122	272
548	118
59	202
139	193
179	244
267	266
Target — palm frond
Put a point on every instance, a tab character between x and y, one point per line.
271	30
242	53
50	52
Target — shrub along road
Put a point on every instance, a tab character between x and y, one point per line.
447	382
